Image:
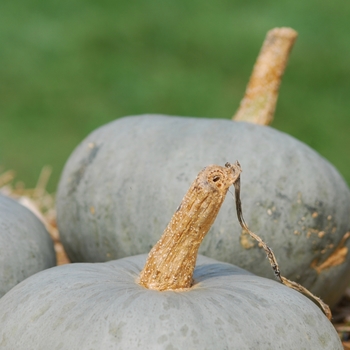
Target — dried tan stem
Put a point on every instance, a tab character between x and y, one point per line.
6	177
259	102
42	181
171	262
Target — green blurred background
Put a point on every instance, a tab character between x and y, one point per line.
69	66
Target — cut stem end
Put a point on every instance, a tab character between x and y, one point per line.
171	262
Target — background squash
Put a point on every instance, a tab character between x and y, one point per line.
25	245
125	179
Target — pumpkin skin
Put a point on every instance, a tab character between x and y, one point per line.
124	181
25	245
100	306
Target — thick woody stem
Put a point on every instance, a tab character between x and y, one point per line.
172	260
259	102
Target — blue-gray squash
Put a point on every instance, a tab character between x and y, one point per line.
159	303
125	179
100	306
25	245
121	184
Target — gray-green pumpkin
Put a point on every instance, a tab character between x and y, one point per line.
172	300
25	245
123	182
100	306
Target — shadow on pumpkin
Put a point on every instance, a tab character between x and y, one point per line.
217	270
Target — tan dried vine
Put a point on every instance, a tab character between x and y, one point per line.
171	262
271	255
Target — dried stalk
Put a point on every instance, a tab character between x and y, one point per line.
6	177
40	188
171	262
260	99
272	258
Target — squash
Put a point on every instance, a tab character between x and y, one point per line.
127	304
25	245
125	179
111	189
99	306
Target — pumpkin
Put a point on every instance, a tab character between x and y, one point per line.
109	196
125	179
25	245
99	306
127	304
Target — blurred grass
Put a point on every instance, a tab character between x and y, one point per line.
67	67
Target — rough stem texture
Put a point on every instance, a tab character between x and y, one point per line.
172	260
259	102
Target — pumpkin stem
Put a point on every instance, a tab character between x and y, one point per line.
259	102
171	262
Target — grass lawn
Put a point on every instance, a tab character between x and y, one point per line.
69	66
